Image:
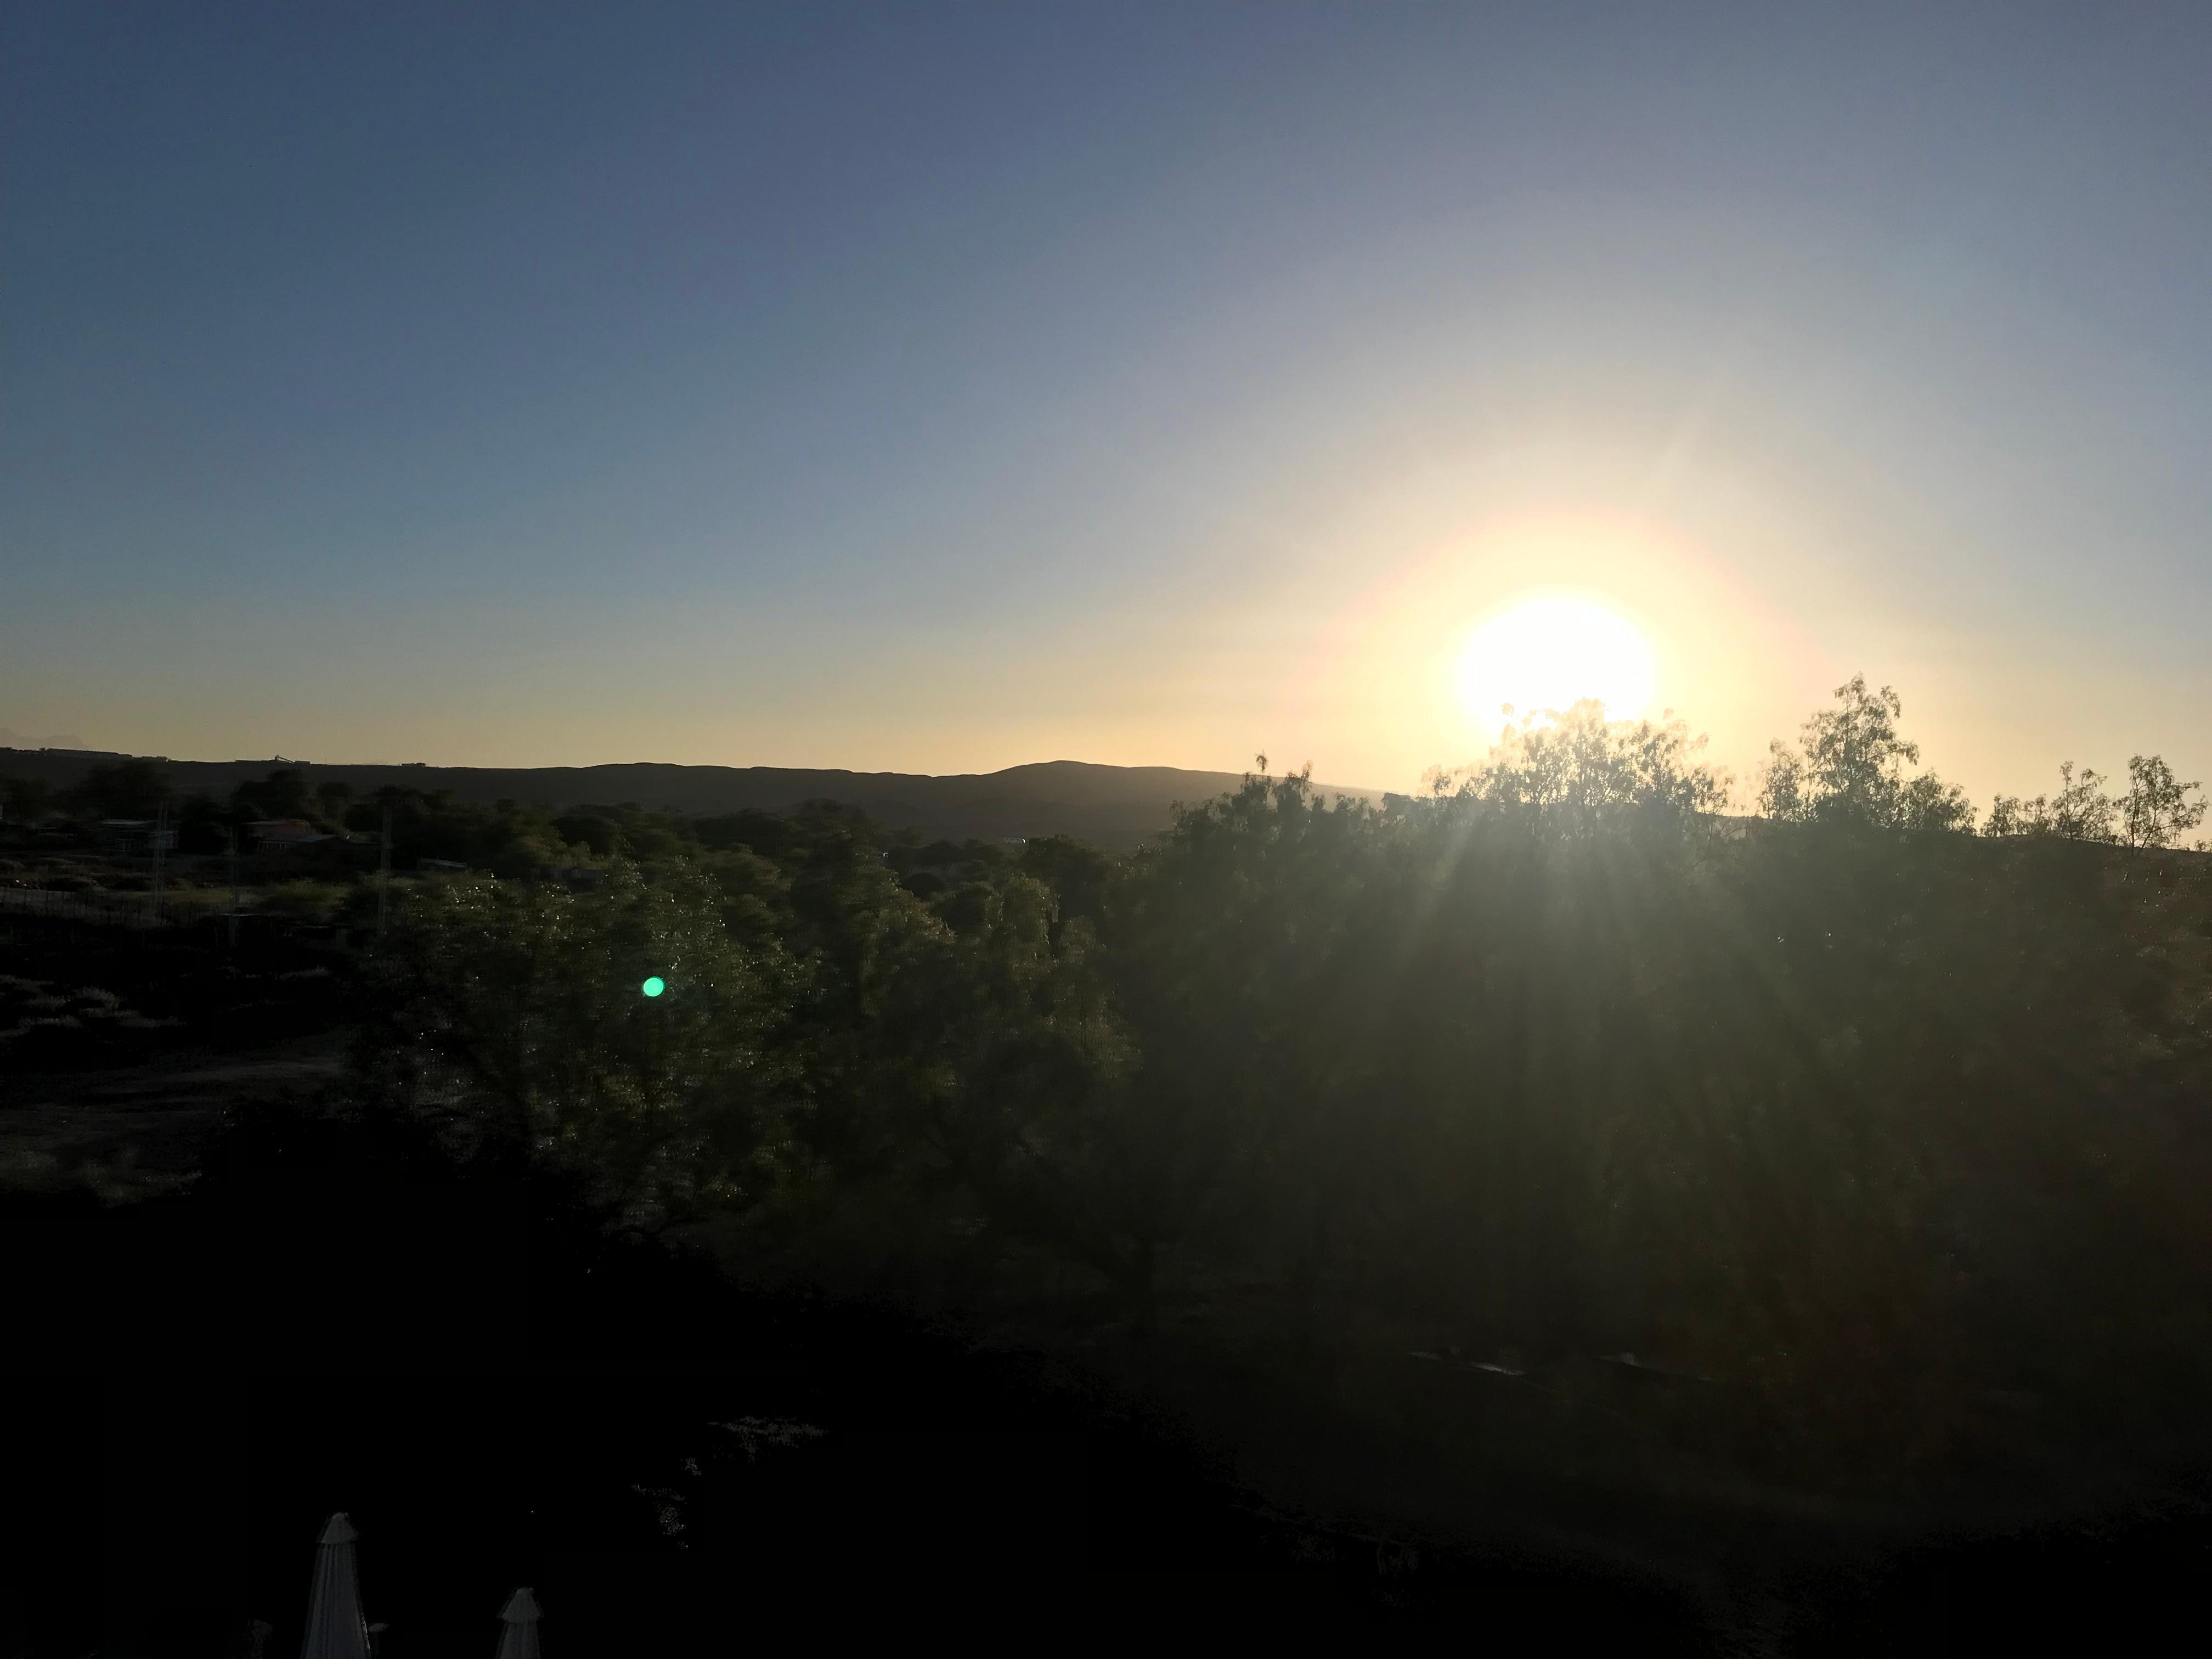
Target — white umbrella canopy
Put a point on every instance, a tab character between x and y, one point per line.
519	1639
335	1629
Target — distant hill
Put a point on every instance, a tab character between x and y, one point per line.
14	740
1116	806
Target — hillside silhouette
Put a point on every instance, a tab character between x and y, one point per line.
1114	806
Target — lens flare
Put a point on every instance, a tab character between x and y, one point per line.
1552	650
654	987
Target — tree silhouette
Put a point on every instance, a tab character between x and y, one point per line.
2156	811
1852	770
128	789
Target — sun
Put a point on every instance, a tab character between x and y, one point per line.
1548	651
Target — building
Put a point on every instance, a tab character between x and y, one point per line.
273	837
138	837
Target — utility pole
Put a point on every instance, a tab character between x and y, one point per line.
383	868
233	887
161	837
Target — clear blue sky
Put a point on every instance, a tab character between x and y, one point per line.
938	388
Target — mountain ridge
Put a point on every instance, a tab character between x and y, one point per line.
1118	806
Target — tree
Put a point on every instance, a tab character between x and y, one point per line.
1853	770
282	793
597	836
1249	950
2080	812
518	1010
1526	1064
2157	810
1928	803
1580	764
993	1057
128	789
26	799
765	832
202	825
1079	874
333	798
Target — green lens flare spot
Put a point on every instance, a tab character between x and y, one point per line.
654	987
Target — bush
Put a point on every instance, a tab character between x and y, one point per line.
1863	1119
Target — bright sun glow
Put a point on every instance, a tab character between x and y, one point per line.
1550	651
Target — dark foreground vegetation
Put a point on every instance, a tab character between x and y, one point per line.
1545	1197
1116	806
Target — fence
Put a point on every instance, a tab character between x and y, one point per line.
103	909
176	915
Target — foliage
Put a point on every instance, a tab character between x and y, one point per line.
203	825
1852	770
2157	811
1576	767
282	793
331	798
25	799
2080	812
519	1014
504	838
1081	877
128	789
1541	1064
991	1063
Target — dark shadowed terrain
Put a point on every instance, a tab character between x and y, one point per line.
336	1315
1116	806
1546	1209
296	1308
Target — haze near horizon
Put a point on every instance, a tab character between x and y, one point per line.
939	391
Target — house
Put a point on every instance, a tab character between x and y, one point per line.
138	837
272	837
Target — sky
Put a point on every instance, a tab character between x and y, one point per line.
939	388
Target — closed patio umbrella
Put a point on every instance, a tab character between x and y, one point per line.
335	1629
519	1639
